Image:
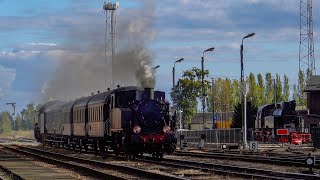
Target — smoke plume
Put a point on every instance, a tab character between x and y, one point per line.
81	69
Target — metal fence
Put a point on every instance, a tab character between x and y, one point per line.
213	137
269	135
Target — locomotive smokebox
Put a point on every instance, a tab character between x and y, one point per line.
149	92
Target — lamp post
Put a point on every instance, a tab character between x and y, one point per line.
243	95
14	118
174	80
202	83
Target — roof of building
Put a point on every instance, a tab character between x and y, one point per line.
313	84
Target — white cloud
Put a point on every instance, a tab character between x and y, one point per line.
21	54
42	44
7	76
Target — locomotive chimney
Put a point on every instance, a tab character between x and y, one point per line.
149	92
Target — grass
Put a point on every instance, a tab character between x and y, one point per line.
19	134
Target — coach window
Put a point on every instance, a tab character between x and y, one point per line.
82	115
81	111
75	115
97	113
91	113
94	114
100	113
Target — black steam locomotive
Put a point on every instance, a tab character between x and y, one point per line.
130	119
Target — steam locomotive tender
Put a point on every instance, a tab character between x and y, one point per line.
130	119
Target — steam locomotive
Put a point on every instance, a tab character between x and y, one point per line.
132	120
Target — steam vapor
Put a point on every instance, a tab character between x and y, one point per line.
81	68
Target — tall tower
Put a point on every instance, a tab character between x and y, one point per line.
110	9
306	50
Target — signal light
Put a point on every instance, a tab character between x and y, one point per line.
137	129
166	129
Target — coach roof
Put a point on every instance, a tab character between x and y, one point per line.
82	102
101	97
56	106
68	105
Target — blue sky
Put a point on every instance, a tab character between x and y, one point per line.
36	36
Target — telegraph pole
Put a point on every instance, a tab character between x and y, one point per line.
14	118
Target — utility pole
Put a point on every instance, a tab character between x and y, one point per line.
213	117
244	95
14	118
275	92
202	85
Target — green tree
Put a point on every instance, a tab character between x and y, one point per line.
261	91
18	122
24	124
253	90
5	122
236	92
189	91
279	95
301	88
295	95
237	116
269	88
286	88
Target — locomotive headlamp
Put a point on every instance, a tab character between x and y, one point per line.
137	129
166	129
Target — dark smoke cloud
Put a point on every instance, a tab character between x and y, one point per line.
81	68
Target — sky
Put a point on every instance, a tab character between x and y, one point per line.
39	37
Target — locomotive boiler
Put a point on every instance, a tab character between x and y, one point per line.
132	120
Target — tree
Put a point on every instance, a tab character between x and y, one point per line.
269	88
286	88
5	122
189	90
279	95
24	124
18	122
237	116
261	91
253	90
295	95
301	88
236	92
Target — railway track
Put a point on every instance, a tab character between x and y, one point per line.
15	166
298	161
237	171
90	168
220	169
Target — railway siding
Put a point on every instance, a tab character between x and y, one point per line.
14	167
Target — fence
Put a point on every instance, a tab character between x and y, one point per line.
269	135
213	137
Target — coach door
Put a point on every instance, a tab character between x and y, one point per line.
107	120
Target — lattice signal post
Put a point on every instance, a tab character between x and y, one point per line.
306	50
110	9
